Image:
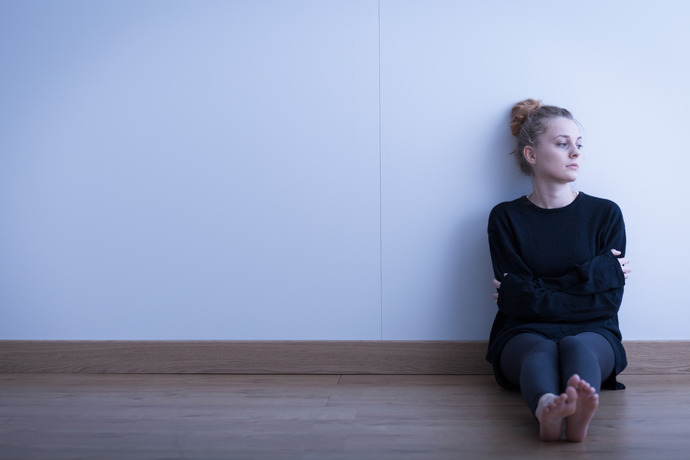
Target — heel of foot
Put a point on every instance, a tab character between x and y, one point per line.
577	424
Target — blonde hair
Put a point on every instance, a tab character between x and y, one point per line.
529	119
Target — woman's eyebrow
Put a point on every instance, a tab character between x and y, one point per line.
566	136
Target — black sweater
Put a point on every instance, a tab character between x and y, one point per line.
562	277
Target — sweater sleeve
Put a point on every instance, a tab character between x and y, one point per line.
525	301
598	274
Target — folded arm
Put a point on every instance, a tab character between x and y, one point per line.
526	301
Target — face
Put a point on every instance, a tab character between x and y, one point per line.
556	158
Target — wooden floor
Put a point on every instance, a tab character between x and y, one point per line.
74	416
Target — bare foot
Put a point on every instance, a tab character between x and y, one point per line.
553	410
587	403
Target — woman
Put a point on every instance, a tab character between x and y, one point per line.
559	266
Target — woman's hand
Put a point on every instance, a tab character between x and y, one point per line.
497	285
624	263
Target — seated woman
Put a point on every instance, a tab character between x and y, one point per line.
559	267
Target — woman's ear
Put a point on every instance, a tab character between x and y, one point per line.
529	154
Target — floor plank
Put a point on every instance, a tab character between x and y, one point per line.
72	416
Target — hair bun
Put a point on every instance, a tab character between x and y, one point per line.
520	112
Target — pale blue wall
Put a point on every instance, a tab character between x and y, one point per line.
317	169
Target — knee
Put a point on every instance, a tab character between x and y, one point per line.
569	341
572	345
544	352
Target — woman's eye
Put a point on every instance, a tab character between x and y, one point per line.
563	145
580	146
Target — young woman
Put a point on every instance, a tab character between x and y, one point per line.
559	266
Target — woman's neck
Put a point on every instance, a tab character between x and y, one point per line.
552	196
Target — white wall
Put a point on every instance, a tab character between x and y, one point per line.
317	170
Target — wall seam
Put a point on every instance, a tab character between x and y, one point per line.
380	181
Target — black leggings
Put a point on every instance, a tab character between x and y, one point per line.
539	365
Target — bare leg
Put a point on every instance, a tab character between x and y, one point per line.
552	410
586	405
